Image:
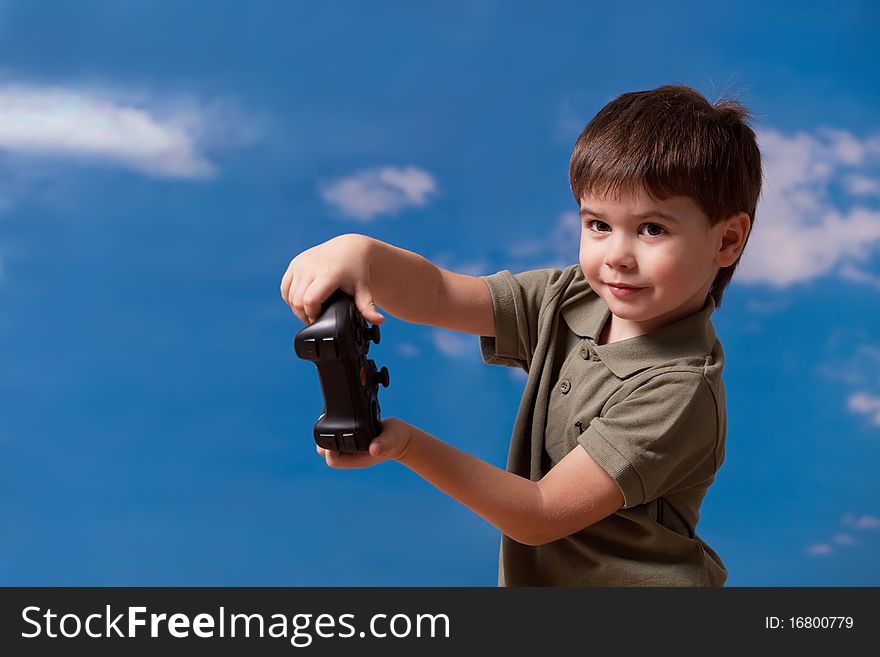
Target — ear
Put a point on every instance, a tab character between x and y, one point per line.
733	233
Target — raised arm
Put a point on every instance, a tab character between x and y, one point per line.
413	289
401	282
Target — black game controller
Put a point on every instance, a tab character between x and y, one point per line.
338	342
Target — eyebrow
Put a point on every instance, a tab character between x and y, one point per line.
654	212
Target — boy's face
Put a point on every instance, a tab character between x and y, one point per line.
671	260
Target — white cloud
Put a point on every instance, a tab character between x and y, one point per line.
865	403
407	349
851	273
862	185
766	307
844	539
852	356
476	268
851	520
452	343
386	190
558	247
819	549
861	522
800	233
158	138
527	248
447	260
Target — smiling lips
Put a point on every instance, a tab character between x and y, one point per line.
620	291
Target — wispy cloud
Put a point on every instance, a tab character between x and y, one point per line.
862	185
853	357
864	521
454	344
407	349
851	273
112	127
865	404
819	549
766	307
557	247
368	194
449	260
813	219
852	521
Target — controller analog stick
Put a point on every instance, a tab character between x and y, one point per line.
381	376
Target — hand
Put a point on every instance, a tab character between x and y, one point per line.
392	443
341	263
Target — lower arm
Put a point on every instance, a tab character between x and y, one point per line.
403	283
511	503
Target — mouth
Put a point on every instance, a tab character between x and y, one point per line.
623	286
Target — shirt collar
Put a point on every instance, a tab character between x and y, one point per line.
586	312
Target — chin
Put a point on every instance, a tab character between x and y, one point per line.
634	312
628	313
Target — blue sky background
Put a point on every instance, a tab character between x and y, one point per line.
160	165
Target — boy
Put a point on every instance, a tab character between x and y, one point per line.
622	423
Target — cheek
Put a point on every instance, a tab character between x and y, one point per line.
588	261
674	267
586	253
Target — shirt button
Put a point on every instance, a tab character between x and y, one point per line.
565	386
585	352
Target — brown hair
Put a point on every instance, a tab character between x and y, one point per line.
670	141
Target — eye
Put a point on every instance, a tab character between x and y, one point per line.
653	230
656	227
589	223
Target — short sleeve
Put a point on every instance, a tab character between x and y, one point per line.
661	437
516	304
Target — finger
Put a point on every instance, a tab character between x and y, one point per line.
348	460
320	450
296	301
364	302
291	288
286	280
316	293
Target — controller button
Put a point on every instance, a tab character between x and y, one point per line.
329	440
349	442
309	348
328	347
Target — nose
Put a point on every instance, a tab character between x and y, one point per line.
619	252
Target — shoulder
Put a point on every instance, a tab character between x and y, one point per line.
546	279
666	392
535	289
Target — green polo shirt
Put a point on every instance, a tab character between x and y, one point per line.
650	410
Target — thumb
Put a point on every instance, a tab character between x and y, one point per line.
364	302
377	448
